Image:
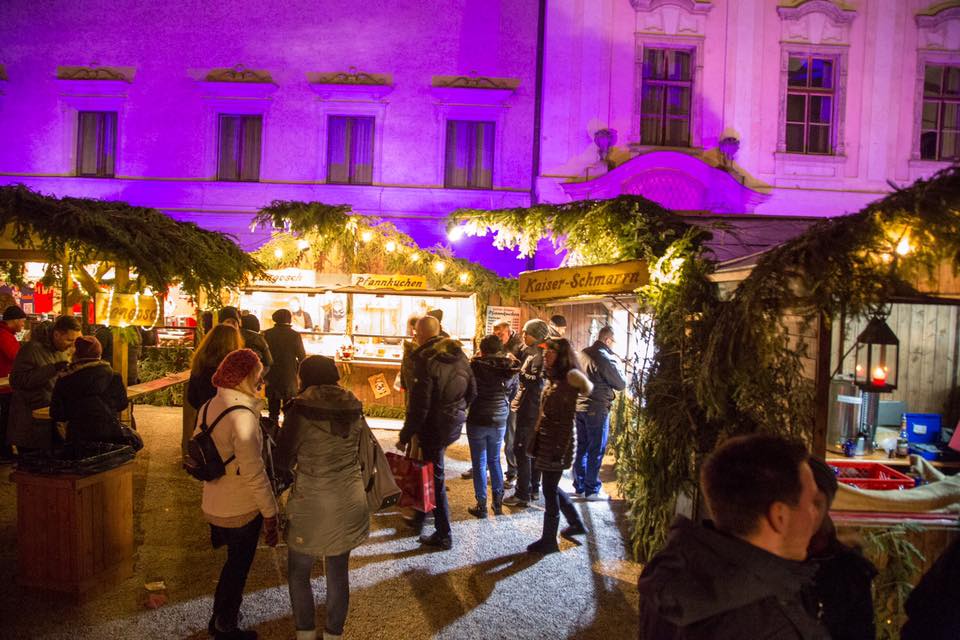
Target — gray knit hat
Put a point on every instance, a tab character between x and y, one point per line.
538	329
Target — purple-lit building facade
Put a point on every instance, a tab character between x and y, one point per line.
410	109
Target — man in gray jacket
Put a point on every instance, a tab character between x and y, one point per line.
593	414
32	377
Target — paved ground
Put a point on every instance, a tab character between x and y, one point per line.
486	587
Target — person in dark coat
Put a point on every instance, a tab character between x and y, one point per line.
526	404
512	345
444	387
932	611
496	376
104	336
552	444
88	396
12	323
32	378
844	578
286	347
744	575
593	414
250	333
404	380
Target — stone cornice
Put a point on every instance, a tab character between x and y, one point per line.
693	6
475	82
350	77
843	14
239	73
114	74
938	14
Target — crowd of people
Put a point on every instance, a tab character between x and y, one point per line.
767	563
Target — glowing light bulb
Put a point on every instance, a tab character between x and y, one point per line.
439	266
455	233
414	257
904	247
464	278
278	253
303	245
390	247
366	236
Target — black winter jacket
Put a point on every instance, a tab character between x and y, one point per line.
515	346
496	382
200	387
253	340
443	388
286	346
526	403
843	585
88	396
599	364
705	584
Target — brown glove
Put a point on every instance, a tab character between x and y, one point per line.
271	531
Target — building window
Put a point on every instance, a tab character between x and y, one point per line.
469	157
666	95
811	97
96	143
239	142
350	150
940	124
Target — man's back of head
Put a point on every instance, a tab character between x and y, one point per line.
427	327
760	488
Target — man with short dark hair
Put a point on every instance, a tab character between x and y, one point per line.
251	337
286	346
443	388
32	378
743	575
593	414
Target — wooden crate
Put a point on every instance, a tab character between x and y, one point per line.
75	533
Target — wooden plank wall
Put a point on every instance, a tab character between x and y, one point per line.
928	353
803	334
579	318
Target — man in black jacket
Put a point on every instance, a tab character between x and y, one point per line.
744	575
593	414
286	346
251	338
443	388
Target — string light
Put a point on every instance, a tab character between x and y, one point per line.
455	233
390	247
904	247
366	236
278	253
439	266
303	245
464	278
414	257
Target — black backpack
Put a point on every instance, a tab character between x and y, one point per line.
203	461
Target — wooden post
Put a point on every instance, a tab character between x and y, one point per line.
821	394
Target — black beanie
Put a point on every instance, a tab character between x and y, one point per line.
824	476
316	370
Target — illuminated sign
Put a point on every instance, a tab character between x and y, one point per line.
396	282
569	282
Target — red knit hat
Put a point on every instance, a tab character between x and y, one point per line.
235	368
87	348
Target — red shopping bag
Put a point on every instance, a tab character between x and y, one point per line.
415	479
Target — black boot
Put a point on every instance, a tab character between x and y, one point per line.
479	511
498	504
548	541
575	524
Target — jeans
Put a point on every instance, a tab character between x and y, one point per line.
528	477
592	431
441	513
241	546
337	573
556	499
485	451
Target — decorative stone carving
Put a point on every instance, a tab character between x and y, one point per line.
840	13
350	77
939	27
692	6
92	73
475	82
816	22
239	73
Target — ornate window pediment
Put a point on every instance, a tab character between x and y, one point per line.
939	26
350	84
816	22
693	6
478	90
94	73
239	73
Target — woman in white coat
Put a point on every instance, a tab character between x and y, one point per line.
240	502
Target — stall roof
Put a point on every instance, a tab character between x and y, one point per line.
746	236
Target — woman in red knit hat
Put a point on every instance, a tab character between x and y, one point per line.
240	502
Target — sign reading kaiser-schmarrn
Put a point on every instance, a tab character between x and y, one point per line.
569	282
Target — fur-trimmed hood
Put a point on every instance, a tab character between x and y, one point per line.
443	349
498	366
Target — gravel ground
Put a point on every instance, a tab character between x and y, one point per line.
486	587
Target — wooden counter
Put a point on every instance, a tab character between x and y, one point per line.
356	375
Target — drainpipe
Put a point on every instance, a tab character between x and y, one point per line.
537	112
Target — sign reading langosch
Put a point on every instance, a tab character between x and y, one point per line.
569	282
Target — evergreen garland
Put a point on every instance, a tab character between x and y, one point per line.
160	249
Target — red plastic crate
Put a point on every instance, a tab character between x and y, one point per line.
870	475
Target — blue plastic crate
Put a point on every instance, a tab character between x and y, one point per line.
923	428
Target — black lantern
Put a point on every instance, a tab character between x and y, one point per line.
878	353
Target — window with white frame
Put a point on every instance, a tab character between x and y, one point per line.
239	143
940	121
96	143
666	97
469	154
811	104
350	149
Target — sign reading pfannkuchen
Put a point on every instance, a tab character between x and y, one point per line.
569	282
395	282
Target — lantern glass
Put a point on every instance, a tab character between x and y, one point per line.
877	358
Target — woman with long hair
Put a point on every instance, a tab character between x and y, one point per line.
327	509
219	341
551	446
